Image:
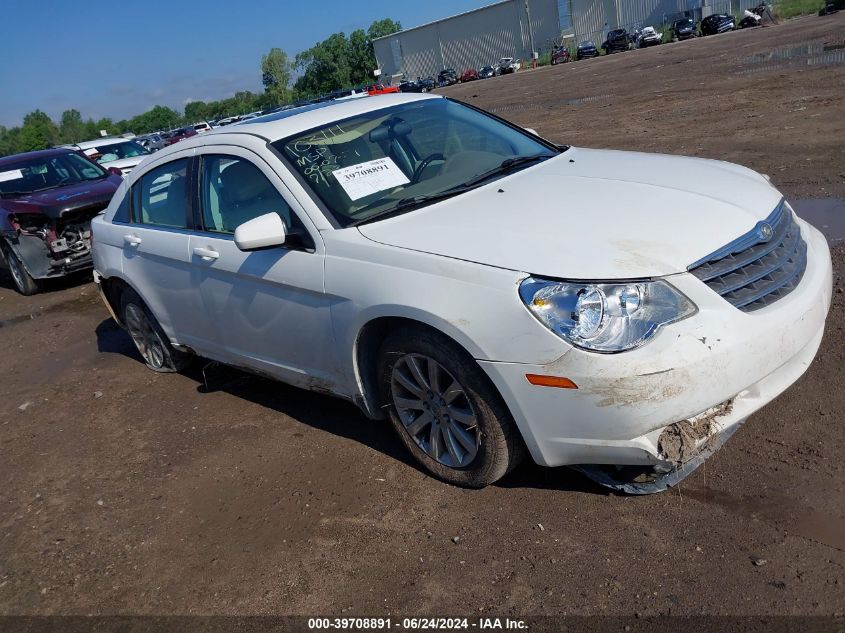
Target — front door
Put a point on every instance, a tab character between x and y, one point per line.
269	308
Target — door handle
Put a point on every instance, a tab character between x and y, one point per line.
206	253
132	240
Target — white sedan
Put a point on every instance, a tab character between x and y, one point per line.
482	287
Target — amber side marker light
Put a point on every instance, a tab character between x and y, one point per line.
551	381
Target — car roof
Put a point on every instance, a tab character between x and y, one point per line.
288	122
42	153
100	142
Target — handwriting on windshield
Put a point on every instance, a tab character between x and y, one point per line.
311	154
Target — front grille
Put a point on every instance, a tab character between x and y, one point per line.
760	267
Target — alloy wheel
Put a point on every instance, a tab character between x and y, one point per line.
434	410
146	338
15	270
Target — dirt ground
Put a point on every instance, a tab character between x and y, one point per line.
127	492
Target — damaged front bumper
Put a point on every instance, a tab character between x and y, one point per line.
667	406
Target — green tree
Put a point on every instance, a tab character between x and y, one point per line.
339	62
38	132
71	127
158	118
380	28
196	111
325	66
275	75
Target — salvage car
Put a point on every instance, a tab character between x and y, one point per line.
560	55
480	286
118	154
586	50
151	142
683	29
181	134
381	89
648	37
508	65
486	72
47	200
420	84
470	74
447	77
717	23
618	40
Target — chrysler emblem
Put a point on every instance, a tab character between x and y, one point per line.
765	231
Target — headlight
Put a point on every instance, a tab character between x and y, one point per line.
605	317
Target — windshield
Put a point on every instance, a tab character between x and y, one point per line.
587	44
115	151
39	174
682	23
363	166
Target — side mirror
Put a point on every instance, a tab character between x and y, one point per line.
531	130
265	231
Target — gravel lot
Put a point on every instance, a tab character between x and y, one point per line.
128	492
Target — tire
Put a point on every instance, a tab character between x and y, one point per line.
465	417
24	283
150	340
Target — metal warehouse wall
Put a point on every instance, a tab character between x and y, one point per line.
592	19
470	40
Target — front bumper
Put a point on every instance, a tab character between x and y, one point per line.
625	401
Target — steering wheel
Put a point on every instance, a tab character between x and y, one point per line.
425	162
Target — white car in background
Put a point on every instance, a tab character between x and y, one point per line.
648	37
114	153
202	126
508	65
477	284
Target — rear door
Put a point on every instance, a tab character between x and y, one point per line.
268	307
156	259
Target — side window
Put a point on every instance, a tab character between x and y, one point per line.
160	197
121	214
235	191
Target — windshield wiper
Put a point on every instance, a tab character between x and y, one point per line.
407	204
506	166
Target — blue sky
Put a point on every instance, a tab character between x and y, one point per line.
117	59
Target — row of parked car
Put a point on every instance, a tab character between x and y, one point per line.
619	40
450	76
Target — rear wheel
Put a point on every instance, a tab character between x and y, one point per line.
150	340
24	282
445	410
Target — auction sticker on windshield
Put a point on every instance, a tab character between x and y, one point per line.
365	179
14	174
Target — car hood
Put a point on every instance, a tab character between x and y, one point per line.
124	163
55	203
591	214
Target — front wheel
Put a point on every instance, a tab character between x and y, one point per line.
445	409
24	282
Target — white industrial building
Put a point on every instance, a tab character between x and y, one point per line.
516	28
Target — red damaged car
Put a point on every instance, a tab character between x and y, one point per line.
381	89
470	74
47	201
